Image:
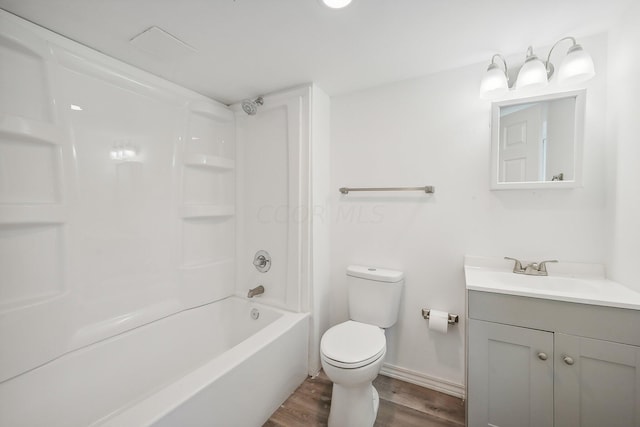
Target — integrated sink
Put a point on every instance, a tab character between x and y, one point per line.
508	280
571	282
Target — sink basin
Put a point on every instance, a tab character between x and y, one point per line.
572	282
504	279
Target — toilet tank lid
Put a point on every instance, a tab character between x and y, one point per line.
373	273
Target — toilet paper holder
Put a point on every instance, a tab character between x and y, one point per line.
453	318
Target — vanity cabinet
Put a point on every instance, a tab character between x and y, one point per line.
537	362
597	382
510	375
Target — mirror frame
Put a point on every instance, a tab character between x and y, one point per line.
580	96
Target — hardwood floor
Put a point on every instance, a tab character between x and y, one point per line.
401	405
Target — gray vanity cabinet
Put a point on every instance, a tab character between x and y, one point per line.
538	363
597	383
509	382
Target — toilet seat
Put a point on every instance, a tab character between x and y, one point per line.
352	345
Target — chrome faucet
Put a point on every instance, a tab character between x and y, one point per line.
258	290
531	269
262	261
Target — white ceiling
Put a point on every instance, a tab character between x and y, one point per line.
249	47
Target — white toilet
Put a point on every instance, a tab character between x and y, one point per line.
352	352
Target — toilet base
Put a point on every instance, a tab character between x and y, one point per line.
354	406
376	402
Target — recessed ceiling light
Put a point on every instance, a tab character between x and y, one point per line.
336	4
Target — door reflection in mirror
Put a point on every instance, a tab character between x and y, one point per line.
537	141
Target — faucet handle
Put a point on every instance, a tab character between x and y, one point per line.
542	266
517	267
262	261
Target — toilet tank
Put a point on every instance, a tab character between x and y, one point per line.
374	295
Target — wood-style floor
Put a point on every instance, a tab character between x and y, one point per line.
401	405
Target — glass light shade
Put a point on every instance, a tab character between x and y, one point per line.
532	74
494	82
336	4
576	67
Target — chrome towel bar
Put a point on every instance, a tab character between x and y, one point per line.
429	189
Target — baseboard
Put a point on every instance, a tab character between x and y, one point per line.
433	383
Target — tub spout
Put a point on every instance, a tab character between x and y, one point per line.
258	290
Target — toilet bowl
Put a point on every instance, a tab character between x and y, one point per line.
352	352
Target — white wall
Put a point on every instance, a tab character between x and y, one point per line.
435	131
624	153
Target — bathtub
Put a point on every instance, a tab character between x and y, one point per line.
213	365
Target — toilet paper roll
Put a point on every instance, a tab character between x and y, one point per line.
438	321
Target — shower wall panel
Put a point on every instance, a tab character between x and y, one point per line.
116	197
273	197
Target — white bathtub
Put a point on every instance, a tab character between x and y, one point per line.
209	366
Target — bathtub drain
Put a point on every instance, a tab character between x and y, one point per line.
255	313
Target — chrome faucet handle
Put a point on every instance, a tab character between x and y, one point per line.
262	261
517	267
542	266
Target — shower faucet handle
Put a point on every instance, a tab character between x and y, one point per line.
262	261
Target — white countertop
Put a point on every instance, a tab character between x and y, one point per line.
570	282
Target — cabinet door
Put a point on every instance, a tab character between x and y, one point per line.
510	376
599	385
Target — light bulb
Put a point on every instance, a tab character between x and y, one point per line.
576	67
532	74
336	4
494	82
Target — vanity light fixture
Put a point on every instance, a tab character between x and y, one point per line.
533	72
576	66
495	82
336	4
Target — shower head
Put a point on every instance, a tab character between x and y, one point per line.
251	107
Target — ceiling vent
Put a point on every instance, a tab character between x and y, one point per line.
157	42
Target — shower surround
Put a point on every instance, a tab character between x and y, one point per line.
118	219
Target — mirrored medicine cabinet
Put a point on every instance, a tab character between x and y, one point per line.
536	143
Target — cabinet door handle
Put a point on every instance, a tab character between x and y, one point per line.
542	356
568	360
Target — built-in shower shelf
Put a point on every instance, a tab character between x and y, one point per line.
203	160
32	214
207	211
30	129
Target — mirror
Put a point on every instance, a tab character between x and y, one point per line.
537	142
